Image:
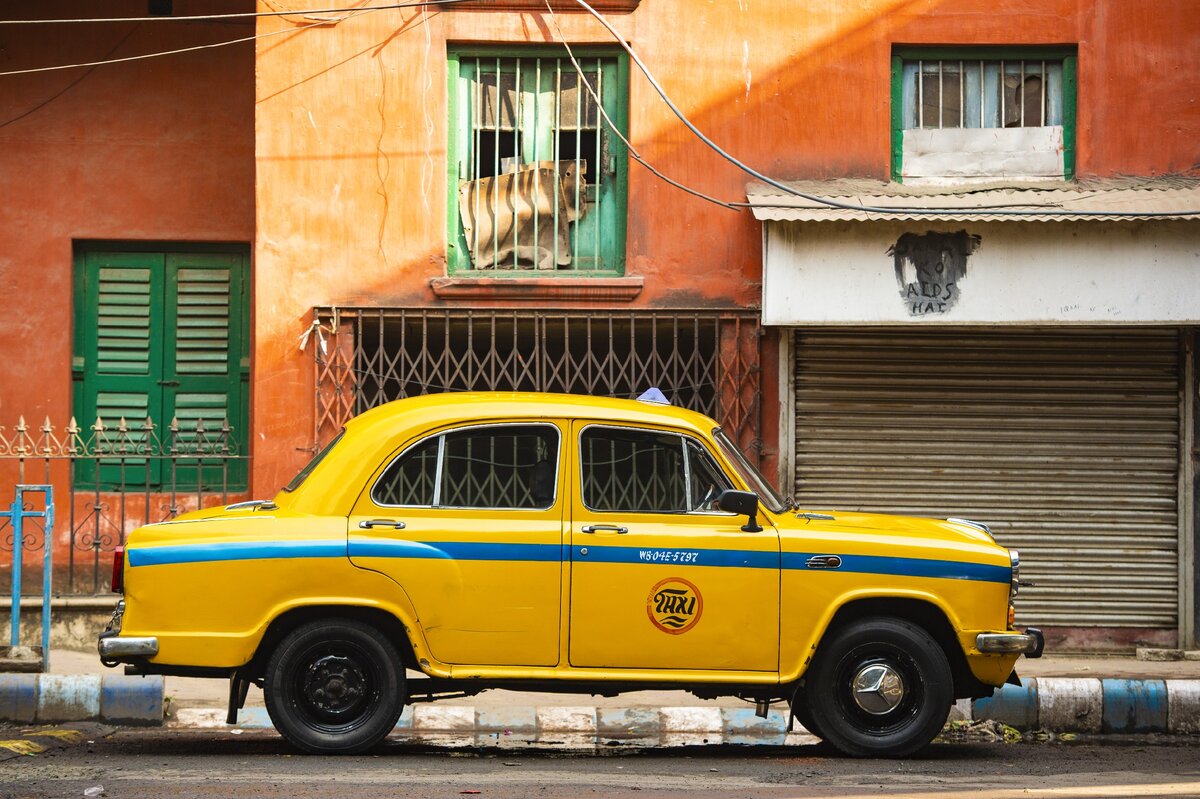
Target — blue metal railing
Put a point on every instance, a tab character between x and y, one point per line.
17	514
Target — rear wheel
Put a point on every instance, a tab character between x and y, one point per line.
880	687
802	710
335	686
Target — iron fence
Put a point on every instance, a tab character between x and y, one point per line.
708	361
110	478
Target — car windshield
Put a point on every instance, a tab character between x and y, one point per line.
766	494
312	464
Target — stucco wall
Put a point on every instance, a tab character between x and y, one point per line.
351	141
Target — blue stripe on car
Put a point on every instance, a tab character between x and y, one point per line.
480	551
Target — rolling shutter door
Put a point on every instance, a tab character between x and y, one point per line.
1066	442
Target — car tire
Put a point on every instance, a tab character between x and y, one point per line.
335	686
880	687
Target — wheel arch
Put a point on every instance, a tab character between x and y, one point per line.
921	610
387	622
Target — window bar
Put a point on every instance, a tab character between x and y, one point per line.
557	128
476	133
599	100
941	94
1003	104
496	171
537	109
962	105
920	94
437	471
982	92
517	161
579	79
1042	99
1024	99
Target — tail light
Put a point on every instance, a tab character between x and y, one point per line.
118	573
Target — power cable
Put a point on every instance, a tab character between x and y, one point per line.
632	150
831	203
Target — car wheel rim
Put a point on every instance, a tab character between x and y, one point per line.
880	689
336	687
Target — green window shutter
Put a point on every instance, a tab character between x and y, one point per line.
163	336
204	387
121	330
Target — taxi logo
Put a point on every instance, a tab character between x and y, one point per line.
674	605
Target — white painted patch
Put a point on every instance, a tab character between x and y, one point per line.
566	719
691	719
930	154
312	121
834	273
1183	707
1070	705
444	718
746	66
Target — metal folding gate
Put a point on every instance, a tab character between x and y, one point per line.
1067	442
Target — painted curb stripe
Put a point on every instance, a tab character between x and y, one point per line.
549	553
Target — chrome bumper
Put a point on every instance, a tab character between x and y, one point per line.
1029	643
113	647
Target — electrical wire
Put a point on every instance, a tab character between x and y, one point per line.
831	203
226	43
237	15
612	126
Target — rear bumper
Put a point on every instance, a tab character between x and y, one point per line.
1029	643
116	647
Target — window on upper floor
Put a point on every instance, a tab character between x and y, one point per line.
983	114
538	179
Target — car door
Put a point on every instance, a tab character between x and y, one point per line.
469	523
659	578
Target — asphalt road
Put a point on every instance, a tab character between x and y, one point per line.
164	764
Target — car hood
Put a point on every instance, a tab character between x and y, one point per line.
885	527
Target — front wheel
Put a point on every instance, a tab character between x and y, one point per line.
880	687
335	686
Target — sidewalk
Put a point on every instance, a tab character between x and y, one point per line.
1061	694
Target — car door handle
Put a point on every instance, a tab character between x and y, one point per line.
368	524
604	528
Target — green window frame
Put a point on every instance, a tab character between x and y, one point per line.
162	334
980	87
522	128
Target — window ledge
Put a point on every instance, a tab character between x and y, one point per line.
596	289
560	6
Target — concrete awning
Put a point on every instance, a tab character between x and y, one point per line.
1165	198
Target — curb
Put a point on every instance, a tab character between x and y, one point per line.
1094	705
54	698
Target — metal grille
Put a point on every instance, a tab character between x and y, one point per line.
119	476
707	360
536	176
982	94
1066	442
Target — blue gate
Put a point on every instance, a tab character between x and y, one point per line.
17	514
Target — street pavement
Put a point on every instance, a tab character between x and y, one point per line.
165	763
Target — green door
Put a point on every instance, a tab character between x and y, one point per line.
162	336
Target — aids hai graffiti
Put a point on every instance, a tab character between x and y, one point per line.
930	268
674	605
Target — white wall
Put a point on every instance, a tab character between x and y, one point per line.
1047	273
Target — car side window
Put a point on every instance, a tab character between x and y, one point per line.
644	471
511	467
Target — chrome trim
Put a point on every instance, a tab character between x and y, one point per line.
1008	643
265	504
812	517
1014	558
117	647
977	525
824	562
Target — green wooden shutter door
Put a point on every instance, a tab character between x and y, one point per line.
164	336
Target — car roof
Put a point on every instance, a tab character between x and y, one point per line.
431	410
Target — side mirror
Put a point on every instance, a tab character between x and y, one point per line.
744	503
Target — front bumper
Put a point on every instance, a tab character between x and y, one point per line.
1029	643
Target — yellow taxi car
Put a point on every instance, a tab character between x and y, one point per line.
564	543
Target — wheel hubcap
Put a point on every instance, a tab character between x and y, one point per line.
334	685
877	688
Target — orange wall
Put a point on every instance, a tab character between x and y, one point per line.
351	141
